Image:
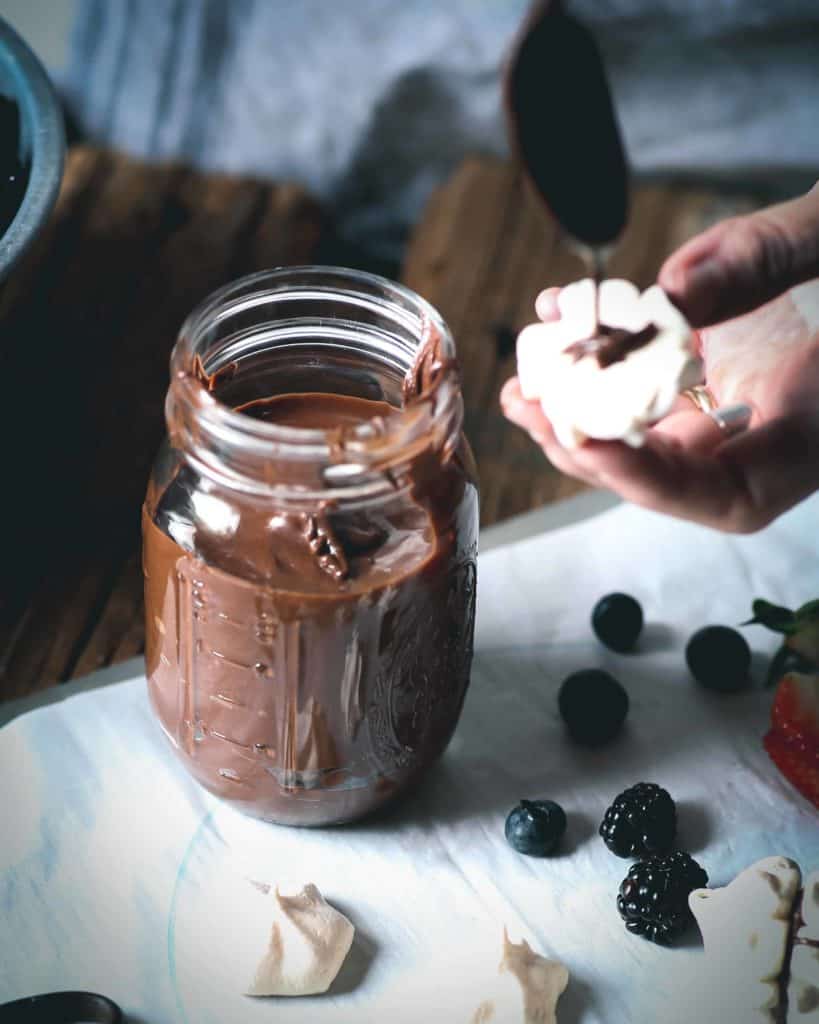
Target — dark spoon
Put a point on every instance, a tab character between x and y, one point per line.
564	128
62	1008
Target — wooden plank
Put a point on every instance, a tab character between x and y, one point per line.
481	253
54	623
119	632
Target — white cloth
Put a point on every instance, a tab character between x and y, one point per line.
120	875
370	103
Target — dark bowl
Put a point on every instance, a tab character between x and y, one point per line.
32	147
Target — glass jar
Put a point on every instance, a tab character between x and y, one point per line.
309	545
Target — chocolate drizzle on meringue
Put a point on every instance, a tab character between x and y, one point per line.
611	345
797	922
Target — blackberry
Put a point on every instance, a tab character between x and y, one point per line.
641	822
593	705
653	898
719	658
535	827
617	620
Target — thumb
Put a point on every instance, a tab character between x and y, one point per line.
744	262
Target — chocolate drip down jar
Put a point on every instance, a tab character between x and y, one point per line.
310	539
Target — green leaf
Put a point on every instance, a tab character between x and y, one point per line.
773	617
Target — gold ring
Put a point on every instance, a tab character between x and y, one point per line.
702	398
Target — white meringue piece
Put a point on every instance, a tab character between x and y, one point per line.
803	985
307	942
525	989
620	402
745	928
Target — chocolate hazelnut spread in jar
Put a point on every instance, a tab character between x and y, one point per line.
310	538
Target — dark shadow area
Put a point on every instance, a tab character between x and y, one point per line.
694	827
690	938
760	664
577	1002
356	967
580	828
656	636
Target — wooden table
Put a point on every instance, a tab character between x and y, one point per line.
87	325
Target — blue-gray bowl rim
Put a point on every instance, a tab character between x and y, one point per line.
39	106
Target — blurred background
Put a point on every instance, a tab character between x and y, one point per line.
208	139
370	103
46	27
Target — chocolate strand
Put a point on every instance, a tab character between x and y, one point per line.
612	344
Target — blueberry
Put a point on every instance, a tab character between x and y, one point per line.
617	620
593	705
719	658
535	827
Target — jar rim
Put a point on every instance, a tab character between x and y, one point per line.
218	304
366	445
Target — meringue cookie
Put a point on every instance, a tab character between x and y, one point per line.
803	986
307	943
745	929
620	402
525	989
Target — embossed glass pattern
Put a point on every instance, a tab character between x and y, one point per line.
310	593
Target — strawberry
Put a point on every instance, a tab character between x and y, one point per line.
792	742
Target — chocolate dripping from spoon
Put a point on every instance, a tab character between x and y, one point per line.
563	127
607	344
598	262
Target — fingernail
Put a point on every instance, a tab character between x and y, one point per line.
546	306
732	419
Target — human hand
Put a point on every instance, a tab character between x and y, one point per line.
766	357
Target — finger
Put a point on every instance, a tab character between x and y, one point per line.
691	428
739	486
744	262
531	418
546	305
775	465
523	413
563	459
688	426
